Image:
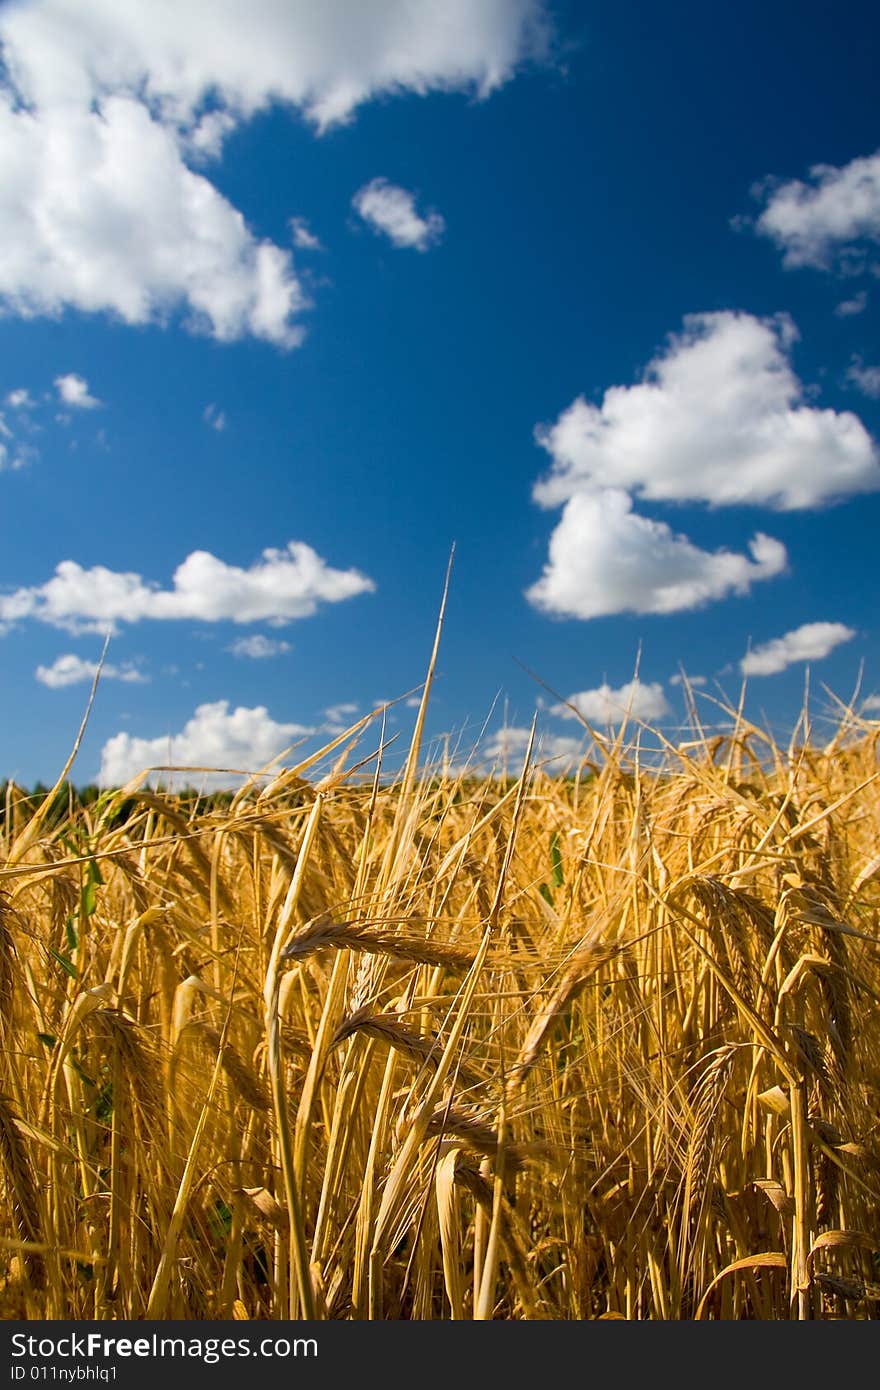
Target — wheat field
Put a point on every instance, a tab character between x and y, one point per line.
441	1045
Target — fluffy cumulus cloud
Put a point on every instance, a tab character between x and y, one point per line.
103	215
605	558
604	705
283	585
231	741
391	210
111	109
325	59
831	214
74	670
871	703
74	391
811	642
258	647
720	417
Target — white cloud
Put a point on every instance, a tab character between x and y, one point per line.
718	418
74	391
847	308
281	586
337	714
679	679
73	670
390	209
259	647
508	746
20	399
871	703
244	739
865	379
303	236
813	222
15	453
104	106
603	705
104	216
604	559
325	60
811	642
214	417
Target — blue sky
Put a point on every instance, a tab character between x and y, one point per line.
294	297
